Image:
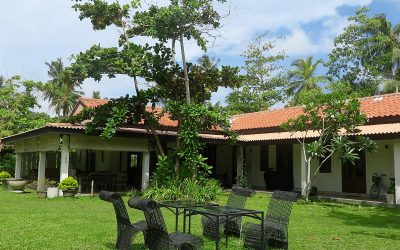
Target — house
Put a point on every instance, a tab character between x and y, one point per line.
271	156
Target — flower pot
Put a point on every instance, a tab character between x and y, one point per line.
390	198
52	192
17	185
69	192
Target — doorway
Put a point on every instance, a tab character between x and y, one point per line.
134	170
354	176
284	166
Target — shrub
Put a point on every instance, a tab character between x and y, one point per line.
43	183
391	189
68	183
187	189
4	175
7	163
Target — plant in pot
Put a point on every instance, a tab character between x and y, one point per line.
69	186
390	194
3	178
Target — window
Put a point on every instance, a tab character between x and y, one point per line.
326	166
263	157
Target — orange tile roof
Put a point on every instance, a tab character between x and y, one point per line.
379	106
92	102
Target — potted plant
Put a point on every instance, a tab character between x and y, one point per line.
390	194
69	186
3	178
52	190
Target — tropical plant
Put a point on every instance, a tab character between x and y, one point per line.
391	189
7	162
61	94
4	175
335	116
41	185
302	78
366	53
263	80
68	183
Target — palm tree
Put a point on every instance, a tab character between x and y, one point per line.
302	78
61	95
390	82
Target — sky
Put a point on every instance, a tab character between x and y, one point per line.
37	31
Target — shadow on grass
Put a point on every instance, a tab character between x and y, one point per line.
134	246
388	236
379	218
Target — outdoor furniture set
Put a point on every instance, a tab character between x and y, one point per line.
216	221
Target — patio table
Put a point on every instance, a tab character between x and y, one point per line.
220	214
176	207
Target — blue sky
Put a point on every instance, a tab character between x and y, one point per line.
38	31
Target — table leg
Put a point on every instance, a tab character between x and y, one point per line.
190	223
184	220
176	219
262	231
217	238
226	233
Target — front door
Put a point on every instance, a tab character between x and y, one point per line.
284	166
134	170
354	176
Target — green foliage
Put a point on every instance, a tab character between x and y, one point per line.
4	175
68	183
366	52
186	189
391	189
302	78
7	163
263	80
17	101
242	181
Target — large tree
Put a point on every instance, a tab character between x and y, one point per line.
156	66
335	117
366	52
61	94
302	78
17	103
263	80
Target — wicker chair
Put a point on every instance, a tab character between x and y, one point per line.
237	198
157	235
275	224
126	230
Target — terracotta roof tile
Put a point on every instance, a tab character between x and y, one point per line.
373	107
92	102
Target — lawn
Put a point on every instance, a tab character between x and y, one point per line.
28	222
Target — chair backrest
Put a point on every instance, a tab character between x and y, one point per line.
280	206
119	206
151	210
237	198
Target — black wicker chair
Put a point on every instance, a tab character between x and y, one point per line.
126	230
157	235
275	224
237	198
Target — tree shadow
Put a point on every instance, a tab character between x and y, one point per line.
379	218
388	236
136	246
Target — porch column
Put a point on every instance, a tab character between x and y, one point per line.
64	158
396	164
18	165
303	166
239	169
145	170
41	167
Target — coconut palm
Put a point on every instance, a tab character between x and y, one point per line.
391	34
61	95
302	78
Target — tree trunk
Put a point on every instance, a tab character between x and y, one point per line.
149	124
185	70
178	145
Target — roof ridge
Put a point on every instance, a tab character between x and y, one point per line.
266	111
379	95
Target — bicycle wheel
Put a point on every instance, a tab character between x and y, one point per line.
374	191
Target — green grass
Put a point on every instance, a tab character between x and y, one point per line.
27	222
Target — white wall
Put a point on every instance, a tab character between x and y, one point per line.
380	162
331	182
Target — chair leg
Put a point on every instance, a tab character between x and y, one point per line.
124	241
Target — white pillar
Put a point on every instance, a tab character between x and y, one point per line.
239	162
64	158
18	165
303	167
145	170
41	168
396	164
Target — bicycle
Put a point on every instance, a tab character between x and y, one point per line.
378	184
